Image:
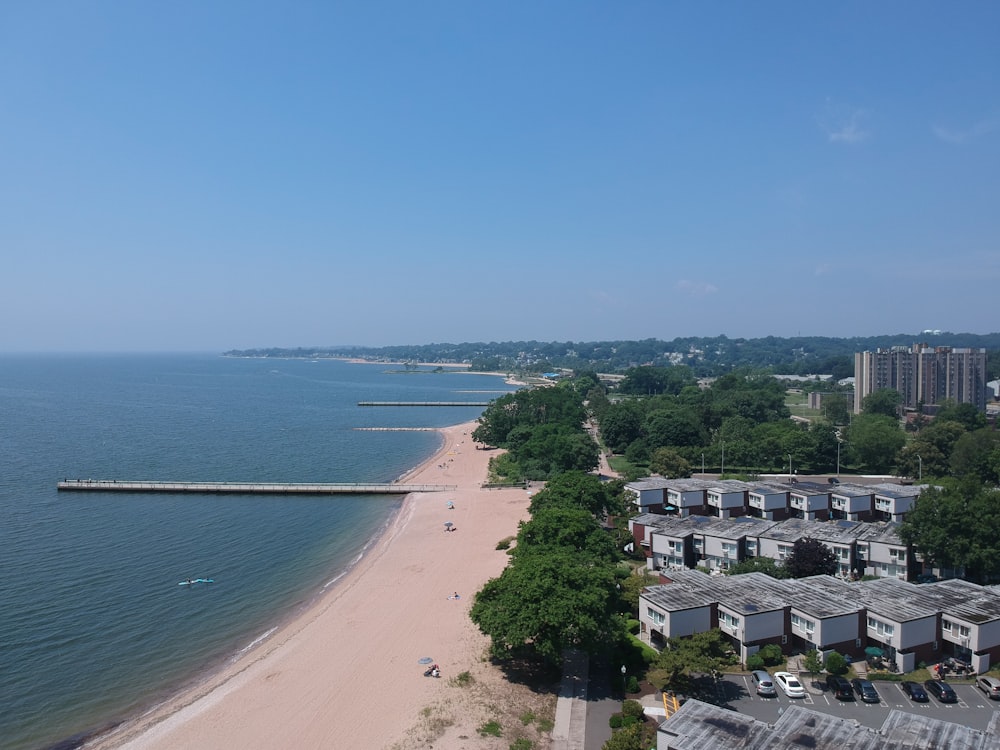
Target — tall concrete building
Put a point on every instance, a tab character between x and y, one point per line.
923	375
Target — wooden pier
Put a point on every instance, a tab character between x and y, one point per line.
247	488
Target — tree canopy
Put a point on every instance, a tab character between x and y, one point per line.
810	557
956	526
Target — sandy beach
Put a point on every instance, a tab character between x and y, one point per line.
347	672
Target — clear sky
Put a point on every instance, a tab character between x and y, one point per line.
197	175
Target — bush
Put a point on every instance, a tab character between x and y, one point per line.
506	542
632	708
615	722
835	663
490	728
771	654
755	662
632	686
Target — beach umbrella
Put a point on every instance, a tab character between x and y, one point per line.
874	651
448	524
425	660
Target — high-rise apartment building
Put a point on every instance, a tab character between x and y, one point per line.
923	375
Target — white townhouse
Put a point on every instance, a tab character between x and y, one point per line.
767	500
901	622
809	501
824	614
880	552
723	541
892	501
852	502
726	498
687	496
642	528
674	611
648	494
672	545
970	620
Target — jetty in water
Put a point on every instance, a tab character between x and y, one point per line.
247	488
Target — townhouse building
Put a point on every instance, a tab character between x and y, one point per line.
908	623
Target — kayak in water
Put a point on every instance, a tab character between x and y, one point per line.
191	581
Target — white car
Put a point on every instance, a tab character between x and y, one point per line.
790	684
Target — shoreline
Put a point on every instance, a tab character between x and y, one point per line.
355	647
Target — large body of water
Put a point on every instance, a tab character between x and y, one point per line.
93	624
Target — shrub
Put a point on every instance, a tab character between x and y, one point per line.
491	728
632	708
771	654
835	663
755	662
615	722
522	744
527	717
632	686
506	542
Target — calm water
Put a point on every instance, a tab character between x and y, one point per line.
92	622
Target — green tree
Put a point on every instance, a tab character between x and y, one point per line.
884	401
956	525
810	557
544	603
835	408
563	528
580	490
835	663
683	658
668	462
813	662
622	424
966	415
626	738
765	565
973	455
875	440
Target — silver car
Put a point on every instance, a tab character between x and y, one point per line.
763	683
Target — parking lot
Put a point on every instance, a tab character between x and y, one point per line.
973	709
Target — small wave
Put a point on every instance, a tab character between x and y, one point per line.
254	643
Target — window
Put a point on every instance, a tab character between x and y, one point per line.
801	623
656	617
730	620
946	625
784	550
884	629
964	631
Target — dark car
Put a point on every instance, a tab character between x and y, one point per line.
866	690
840	687
915	691
941	690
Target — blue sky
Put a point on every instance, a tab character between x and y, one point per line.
212	175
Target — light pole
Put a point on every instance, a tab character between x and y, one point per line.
920	470
703	462
722	469
838	458
623	682
789	467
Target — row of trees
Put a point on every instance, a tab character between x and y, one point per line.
542	430
561	588
740	422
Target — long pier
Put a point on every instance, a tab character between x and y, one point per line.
247	488
423	403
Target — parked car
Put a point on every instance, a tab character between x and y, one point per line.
941	690
840	687
866	690
763	683
990	686
790	684
915	691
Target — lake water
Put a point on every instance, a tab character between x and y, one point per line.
93	624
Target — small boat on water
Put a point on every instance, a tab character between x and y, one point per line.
192	581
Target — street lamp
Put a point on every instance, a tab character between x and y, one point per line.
623	681
920	464
789	467
838	457
703	462
722	469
